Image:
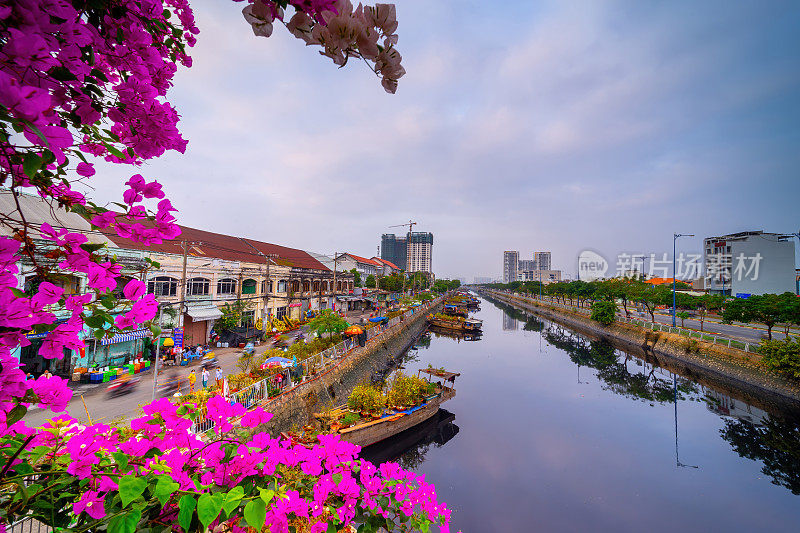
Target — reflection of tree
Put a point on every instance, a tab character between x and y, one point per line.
509	310
776	443
533	324
612	368
424	341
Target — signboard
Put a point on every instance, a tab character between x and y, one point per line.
743	295
177	336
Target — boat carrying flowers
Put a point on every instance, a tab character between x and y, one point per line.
372	415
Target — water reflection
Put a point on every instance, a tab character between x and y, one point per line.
752	432
620	372
409	447
458	336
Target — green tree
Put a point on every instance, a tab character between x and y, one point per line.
604	312
683	315
232	315
781	355
392	283
765	309
790	311
327	322
708	303
370	283
356	277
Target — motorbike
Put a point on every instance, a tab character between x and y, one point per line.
169	387
211	362
120	387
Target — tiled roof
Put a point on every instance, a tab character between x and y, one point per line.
203	243
385	262
363	260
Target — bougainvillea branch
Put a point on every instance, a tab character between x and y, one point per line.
84	80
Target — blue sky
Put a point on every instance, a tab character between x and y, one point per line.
539	126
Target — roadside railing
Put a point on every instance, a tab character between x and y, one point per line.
28	525
262	391
739	344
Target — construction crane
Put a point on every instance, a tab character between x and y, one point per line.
410	225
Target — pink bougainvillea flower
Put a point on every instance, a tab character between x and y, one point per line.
85	169
90	502
256	417
134	290
52	392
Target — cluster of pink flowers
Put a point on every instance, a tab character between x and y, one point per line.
365	32
335	483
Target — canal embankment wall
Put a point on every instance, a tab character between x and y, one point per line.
737	372
296	406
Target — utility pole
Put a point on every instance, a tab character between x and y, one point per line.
674	240
335	260
182	301
268	258
158	357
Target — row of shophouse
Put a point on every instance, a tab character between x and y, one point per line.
198	274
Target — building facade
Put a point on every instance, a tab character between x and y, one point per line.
545	276
420	252
362	265
510	266
750	262
542	261
269	280
395	250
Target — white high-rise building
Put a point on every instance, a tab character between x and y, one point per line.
542	260
420	251
510	266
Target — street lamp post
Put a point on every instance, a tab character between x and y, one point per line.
674	240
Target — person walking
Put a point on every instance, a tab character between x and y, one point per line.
192	380
205	378
219	378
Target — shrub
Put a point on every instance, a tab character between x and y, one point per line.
604	312
782	356
407	390
366	398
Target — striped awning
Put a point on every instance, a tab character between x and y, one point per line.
128	336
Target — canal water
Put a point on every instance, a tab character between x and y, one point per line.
550	431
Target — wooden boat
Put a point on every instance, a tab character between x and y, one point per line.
393	421
454	334
467	324
455	310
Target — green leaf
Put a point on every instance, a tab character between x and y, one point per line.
31	164
186	506
331	528
232	498
121	459
94	321
337	478
130	488
125	523
266	494
16	414
208	507
89	247
165	488
255	513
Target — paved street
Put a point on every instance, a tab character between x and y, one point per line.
750	333
102	408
